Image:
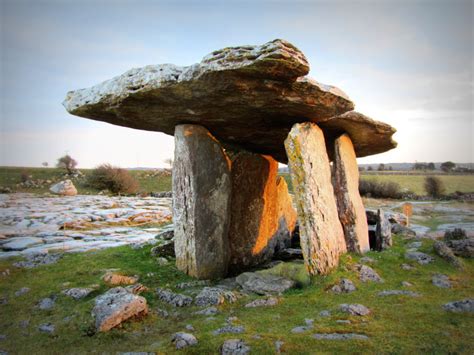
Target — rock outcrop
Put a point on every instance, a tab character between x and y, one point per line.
201	203
249	97
321	234
346	187
64	188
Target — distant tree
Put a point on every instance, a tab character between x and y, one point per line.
45	164
434	186
431	166
369	168
361	168
68	163
381	167
389	168
448	166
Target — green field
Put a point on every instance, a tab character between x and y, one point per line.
397	324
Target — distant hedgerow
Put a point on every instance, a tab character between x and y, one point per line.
376	189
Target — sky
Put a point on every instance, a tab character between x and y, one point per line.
407	63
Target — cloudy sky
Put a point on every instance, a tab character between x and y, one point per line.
408	63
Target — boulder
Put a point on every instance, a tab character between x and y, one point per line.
64	188
262	216
116	306
201	203
321	234
462	247
165	249
366	274
183	340
234	347
447	254
349	203
247	96
354	309
380	230
463	306
419	257
263	284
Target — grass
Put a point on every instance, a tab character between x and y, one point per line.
11	176
397	324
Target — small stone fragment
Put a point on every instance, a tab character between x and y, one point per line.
441	281
325	314
366	274
272	301
406	284
234	347
344	286
191	284
340	336
78	293
136	289
174	299
46	328
115	279
419	257
22	291
229	329
367	260
213	296
278	346
406	267
46	303
161	261
463	306
354	309
183	340
398	293
301	329
263	284
207	311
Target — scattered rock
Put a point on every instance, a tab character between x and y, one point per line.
398	293
78	293
441	281
234	347
213	296
366	274
278	346
64	188
183	340
22	291
21	243
174	299
207	311
447	254
354	309
263	284
46	303
344	286
115	279
463	306
301	329
272	301
162	312
343	321
164	250
46	328
414	245
367	260
229	329
161	261
340	336
403	231
191	284
325	314
36	259
136	289
189	327
167	234
419	257
406	284
116	306
406	267
462	247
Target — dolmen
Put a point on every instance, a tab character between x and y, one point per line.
235	116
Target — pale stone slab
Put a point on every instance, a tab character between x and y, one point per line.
322	237
346	187
201	203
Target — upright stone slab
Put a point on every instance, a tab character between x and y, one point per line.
255	232
201	203
322	237
287	215
349	203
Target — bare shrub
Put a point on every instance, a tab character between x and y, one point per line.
376	189
114	179
434	186
68	163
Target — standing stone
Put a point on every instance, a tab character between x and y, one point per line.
322	237
259	211
201	203
346	187
383	232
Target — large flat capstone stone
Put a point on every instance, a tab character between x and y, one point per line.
249	97
349	203
321	234
262	217
201	203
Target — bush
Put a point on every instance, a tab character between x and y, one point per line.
434	186
376	189
455	234
68	163
114	179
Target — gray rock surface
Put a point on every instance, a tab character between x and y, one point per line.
349	203
441	281
20	243
344	286
213	296
263	302
340	336
64	188
234	347
78	292
229	329
367	274
207	311
321	234
183	340
419	257
354	309
46	303
463	306
22	291
116	306
462	247
263	284
47	328
447	254
398	293
201	203
174	299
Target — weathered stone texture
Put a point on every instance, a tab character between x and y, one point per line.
346	187
262	216
201	203
322	237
